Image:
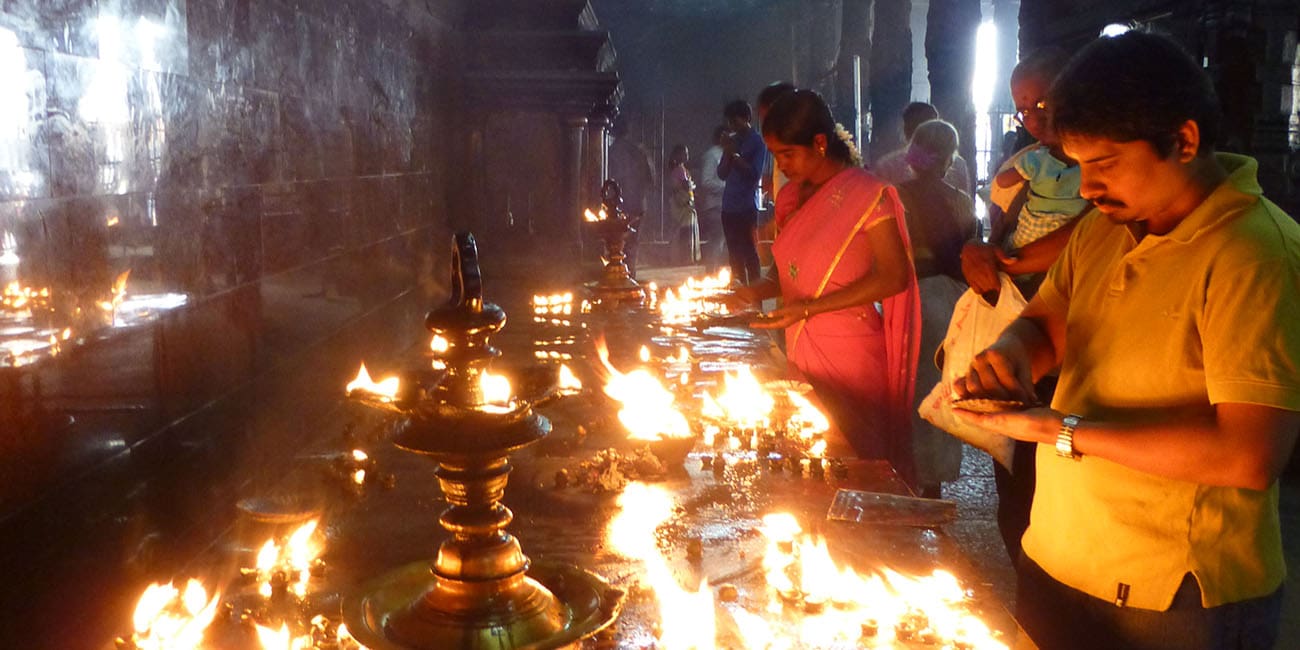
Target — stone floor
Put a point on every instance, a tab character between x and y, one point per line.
977	531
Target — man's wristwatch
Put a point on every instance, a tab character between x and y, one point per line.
1065	437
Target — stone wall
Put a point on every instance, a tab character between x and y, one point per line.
270	174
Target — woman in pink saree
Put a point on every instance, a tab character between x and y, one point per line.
841	247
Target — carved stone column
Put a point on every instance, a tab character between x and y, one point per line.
1006	18
855	39
596	159
950	51
575	132
891	74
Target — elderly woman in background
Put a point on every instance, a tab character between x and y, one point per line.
841	247
940	220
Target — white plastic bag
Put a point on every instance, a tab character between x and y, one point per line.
975	325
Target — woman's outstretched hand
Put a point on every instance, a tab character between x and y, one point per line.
780	318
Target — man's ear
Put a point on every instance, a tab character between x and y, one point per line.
1188	142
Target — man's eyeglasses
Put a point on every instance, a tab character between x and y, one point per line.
1038	108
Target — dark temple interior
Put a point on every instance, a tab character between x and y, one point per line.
213	210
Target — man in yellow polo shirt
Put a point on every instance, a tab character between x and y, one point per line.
1174	316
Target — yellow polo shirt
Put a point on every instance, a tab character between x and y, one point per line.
1156	329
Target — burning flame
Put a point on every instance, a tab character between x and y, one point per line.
807	419
743	401
694	298
569	382
167	619
295	559
385	390
282	640
687	617
496	389
592	217
17	297
118	292
929	609
438	344
648	412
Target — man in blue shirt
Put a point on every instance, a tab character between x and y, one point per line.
741	168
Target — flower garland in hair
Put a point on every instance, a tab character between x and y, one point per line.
855	156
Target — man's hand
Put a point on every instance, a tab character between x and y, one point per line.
728	143
1009	264
979	263
1003	372
1032	425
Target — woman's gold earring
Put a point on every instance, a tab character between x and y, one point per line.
821	151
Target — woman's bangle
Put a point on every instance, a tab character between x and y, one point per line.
806	313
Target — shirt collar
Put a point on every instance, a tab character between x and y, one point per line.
1237	192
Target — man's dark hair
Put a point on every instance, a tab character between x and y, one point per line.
738	108
772	92
916	114
1135	86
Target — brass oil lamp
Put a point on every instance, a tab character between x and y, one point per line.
480	591
615	287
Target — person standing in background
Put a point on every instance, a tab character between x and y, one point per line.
841	248
893	166
708	203
741	168
684	233
940	219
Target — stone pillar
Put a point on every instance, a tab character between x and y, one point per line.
950	52
823	38
596	159
1006	18
570	222
891	74
595	168
855	39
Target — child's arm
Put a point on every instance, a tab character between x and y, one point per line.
1009	177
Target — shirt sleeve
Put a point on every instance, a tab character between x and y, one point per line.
1028	164
1248	332
755	153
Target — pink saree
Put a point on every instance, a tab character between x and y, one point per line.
862	363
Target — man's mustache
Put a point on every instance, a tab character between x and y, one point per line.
1107	201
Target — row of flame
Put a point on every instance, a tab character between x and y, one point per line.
851	610
167	617
693	298
649	410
